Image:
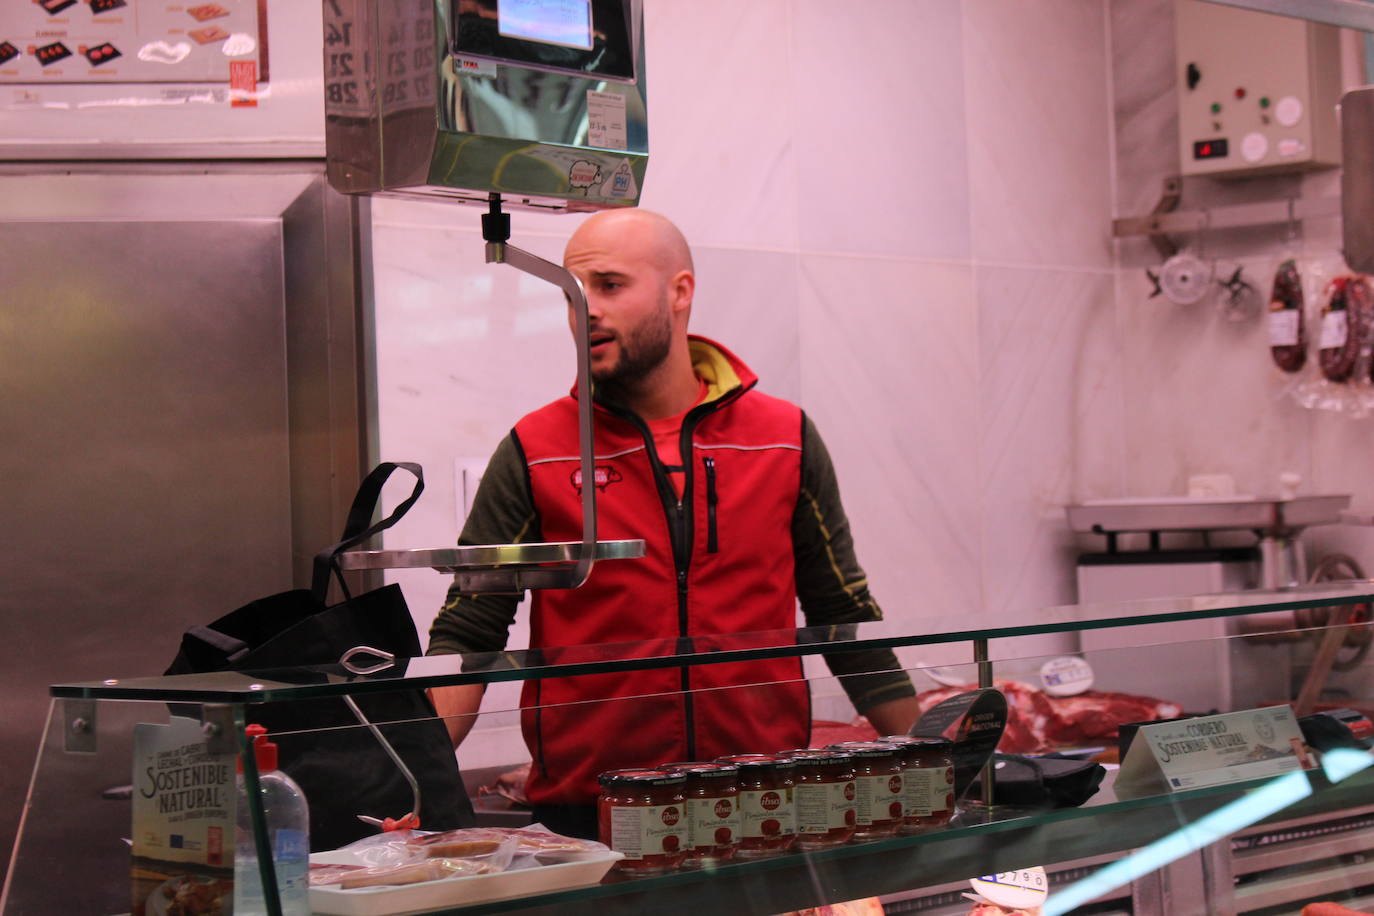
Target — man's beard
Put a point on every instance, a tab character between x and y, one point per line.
641	351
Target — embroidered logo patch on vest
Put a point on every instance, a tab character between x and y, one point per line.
602	477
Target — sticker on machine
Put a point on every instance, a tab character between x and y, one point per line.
606	120
621	184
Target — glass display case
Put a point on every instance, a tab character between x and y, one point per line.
1253	845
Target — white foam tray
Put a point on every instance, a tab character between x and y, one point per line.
450	892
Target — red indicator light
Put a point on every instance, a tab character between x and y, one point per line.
1206	150
1240	92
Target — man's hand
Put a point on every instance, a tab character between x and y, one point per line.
895	717
458	707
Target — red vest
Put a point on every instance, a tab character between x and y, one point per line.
721	563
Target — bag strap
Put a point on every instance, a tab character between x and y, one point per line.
358	527
210	650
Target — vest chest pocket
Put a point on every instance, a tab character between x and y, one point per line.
712	541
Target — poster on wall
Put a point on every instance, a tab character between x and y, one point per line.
150	78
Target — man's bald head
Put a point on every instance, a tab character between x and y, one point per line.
643	234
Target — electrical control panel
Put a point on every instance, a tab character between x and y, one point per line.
1257	92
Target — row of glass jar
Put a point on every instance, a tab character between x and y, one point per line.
751	806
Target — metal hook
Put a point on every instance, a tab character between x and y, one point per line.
346	660
388	659
395	758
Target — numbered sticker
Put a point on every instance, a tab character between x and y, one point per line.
1066	676
1021	889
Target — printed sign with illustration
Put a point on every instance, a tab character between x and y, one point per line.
183	822
54	42
1211	750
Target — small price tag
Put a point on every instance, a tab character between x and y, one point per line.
1066	676
1021	889
1283	327
1335	327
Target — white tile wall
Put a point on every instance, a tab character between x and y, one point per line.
879	123
889	350
722	152
1051	414
1037	110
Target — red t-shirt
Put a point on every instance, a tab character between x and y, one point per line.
667	435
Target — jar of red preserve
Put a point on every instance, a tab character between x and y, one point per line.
823	797
767	820
928	777
642	814
713	814
878	788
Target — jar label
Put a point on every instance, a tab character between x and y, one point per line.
930	791
767	813
712	821
879	798
823	807
648	831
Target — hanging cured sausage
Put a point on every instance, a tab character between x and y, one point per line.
1287	336
1344	320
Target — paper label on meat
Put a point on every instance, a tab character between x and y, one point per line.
1283	327
1066	676
1335	329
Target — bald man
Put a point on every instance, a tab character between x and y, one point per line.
734	495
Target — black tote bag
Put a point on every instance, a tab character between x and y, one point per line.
344	770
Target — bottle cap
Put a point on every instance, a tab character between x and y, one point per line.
264	751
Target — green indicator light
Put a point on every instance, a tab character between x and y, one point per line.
1216	108
1264	101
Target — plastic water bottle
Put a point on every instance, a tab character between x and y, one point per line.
288	829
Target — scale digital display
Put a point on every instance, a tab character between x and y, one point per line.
567	23
1210	149
592	38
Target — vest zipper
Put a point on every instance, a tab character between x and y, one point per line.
712	545
678	513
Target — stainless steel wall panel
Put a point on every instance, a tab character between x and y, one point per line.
181	427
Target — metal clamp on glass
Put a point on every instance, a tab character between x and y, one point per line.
505	568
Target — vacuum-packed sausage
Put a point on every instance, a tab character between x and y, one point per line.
1287	336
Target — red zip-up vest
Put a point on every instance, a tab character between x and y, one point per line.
718	562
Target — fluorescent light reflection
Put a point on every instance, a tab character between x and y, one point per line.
1278	794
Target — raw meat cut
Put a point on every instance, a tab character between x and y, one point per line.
1037	722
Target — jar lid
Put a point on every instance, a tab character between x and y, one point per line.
759	761
818	756
932	742
710	770
641	777
866	748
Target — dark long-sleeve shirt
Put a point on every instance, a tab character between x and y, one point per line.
831	586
